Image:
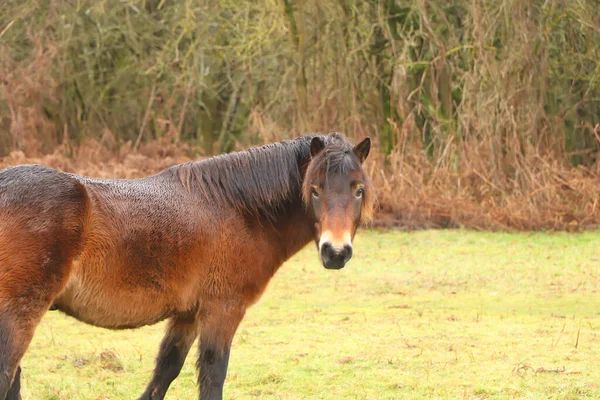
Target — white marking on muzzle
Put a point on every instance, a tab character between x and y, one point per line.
335	242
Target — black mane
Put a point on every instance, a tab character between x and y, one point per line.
259	180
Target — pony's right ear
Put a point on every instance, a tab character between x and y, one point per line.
362	149
316	146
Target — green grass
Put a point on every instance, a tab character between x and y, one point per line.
426	315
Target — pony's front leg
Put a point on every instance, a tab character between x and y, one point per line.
178	339
15	390
219	321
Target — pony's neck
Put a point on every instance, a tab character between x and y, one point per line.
263	185
291	227
262	182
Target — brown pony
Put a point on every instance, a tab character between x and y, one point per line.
196	243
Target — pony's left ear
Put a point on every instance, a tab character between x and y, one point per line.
362	149
316	146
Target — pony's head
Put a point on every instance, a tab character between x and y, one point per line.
337	191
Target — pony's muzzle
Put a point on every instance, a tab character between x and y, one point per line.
334	258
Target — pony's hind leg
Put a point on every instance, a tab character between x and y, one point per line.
40	234
14	340
6	376
176	344
27	289
26	292
25	295
20	312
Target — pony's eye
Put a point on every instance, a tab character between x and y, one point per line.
314	192
360	192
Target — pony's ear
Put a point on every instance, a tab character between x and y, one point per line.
362	149
316	145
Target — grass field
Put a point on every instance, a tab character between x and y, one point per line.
426	315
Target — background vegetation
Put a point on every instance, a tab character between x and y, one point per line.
484	113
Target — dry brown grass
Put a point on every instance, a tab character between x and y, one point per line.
542	194
95	159
412	194
26	91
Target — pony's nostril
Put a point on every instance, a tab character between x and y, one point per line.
346	253
326	250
